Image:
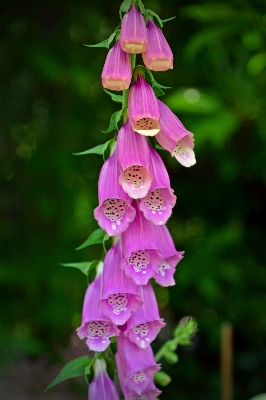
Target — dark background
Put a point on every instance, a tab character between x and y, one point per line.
51	105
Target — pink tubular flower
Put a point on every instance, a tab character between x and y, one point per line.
133	157
138	365
102	387
114	212
119	293
133	34
158	56
174	137
144	324
95	325
143	108
158	203
140	250
164	275
149	393
117	73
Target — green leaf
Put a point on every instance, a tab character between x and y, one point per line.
96	237
157	87
115	118
162	378
73	368
100	149
85	267
118	98
124	7
158	147
105	43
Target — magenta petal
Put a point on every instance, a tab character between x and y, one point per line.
133	157
143	108
119	293
158	203
140	250
144	324
96	326
102	387
174	137
158	56
133	34
116	74
164	275
114	212
138	365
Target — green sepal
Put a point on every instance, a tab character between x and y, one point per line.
85	267
162	378
105	43
125	6
70	370
160	22
100	149
157	87
158	147
168	19
141	7
96	237
118	98
115	118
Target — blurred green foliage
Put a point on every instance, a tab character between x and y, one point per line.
53	105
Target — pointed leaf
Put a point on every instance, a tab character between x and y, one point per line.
100	149
95	237
118	98
141	7
115	118
85	267
73	368
158	92
105	43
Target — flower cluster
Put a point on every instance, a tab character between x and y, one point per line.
135	202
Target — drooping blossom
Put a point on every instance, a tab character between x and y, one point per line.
133	34
174	137
120	295
141	256
102	387
137	365
114	212
133	157
158	203
144	324
149	393
117	73
164	275
143	108
95	326
158	56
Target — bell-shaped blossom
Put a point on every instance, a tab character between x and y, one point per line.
96	326
133	157
164	275
114	212
102	387
143	108
144	324
120	294
140	249
158	203
117	72
174	137
133	34
149	393
136	366
158	56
